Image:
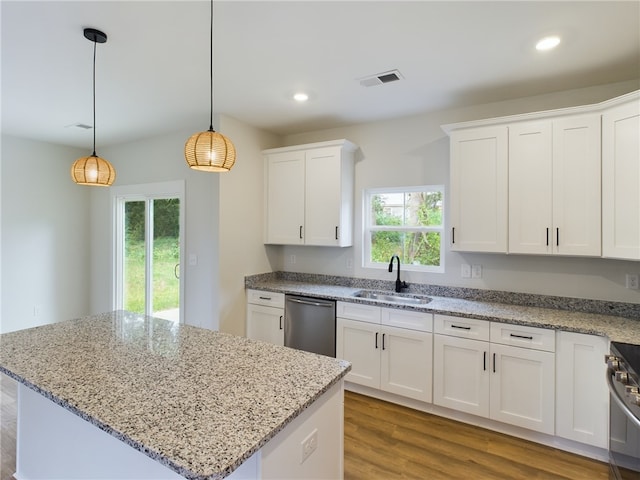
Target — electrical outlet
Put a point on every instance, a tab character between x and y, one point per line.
632	281
292	259
476	271
309	445
349	263
465	271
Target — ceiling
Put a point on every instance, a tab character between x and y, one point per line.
152	75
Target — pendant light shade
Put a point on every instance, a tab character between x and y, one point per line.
93	170
210	151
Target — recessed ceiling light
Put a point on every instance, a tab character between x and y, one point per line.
547	43
300	97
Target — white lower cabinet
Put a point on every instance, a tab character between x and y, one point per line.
265	316
383	356
582	396
511	383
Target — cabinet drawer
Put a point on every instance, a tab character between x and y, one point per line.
407	319
358	311
521	336
461	327
268	299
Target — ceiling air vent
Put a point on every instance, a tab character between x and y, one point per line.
380	78
83	126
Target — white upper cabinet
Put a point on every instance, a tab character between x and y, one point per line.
479	190
554	186
621	181
530	168
557	182
309	194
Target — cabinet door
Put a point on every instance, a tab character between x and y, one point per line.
582	396
406	363
461	374
479	190
284	191
621	182
522	387
576	186
326	179
530	164
265	323
360	344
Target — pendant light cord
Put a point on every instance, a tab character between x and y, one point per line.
94	98
211	68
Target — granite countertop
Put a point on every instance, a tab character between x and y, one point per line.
616	328
197	401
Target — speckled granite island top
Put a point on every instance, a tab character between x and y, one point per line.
616	328
197	401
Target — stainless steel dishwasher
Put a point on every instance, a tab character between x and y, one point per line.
310	324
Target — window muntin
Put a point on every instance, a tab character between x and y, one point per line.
408	222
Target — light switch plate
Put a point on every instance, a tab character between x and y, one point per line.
465	271
632	281
476	271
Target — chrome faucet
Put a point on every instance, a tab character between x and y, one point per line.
399	285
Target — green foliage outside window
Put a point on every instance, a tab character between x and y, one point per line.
409	214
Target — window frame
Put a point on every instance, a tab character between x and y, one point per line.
368	227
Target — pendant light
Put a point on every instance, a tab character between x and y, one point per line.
210	151
93	170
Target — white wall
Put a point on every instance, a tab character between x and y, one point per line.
45	235
151	160
242	251
414	151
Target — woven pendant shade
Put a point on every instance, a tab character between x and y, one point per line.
93	170
209	151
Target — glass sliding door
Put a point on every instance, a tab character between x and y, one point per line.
148	253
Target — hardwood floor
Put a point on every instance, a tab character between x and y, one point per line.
386	441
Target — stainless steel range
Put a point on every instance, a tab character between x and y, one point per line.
624	411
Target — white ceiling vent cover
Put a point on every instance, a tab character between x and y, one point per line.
381	78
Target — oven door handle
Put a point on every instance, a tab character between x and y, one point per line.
621	403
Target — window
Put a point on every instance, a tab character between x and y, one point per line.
408	222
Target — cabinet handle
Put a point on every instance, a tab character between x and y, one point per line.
557	237
376	339
336	233
280	322
383	340
547	236
525	337
264	298
484	361
300	232
460	327
494	363
453	234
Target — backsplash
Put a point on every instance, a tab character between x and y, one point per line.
620	309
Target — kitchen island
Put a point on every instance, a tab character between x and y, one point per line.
122	395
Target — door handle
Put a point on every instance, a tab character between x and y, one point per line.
300	232
376	340
176	271
336	233
383	340
494	363
280	322
484	361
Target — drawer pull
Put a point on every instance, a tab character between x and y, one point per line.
460	327
264	298
524	337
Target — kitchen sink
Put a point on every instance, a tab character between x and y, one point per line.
391	298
